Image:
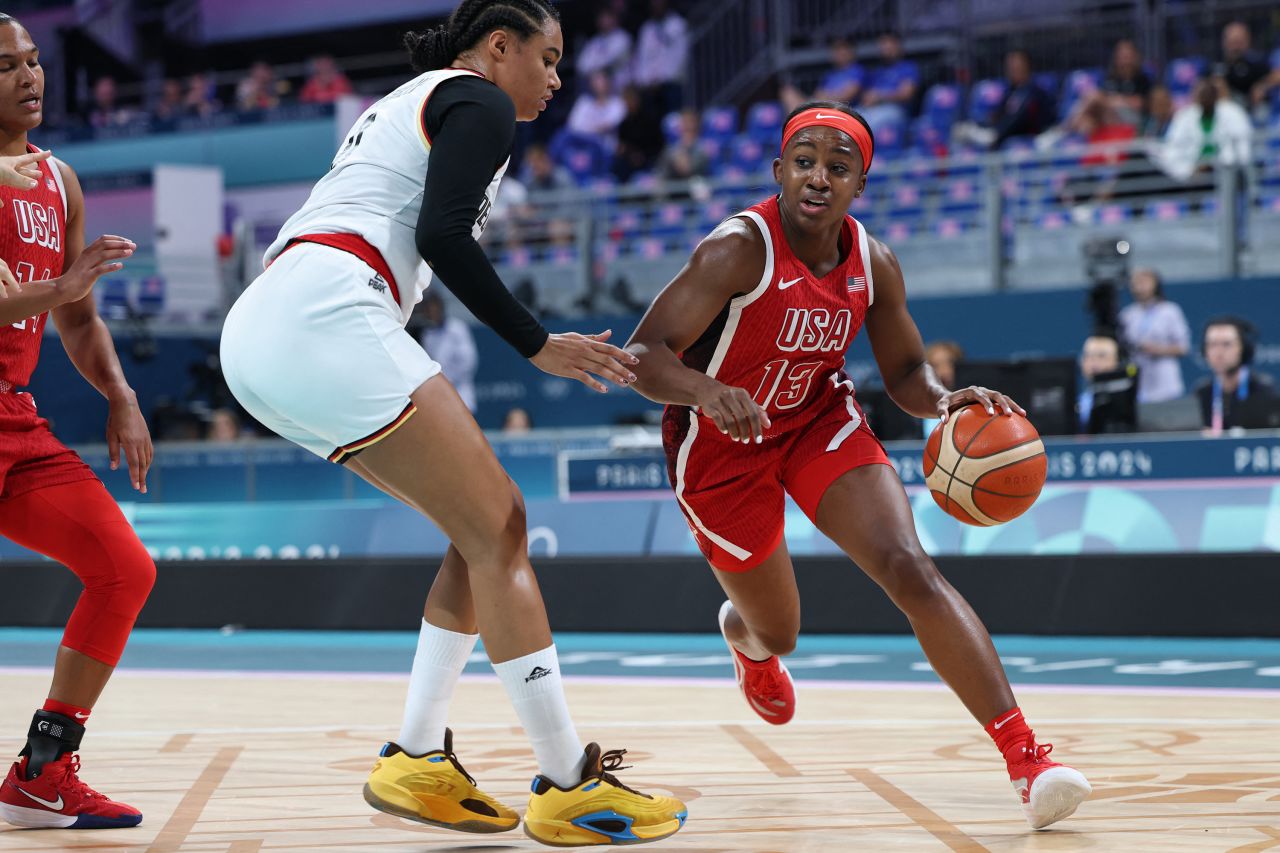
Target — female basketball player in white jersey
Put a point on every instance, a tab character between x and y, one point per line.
316	349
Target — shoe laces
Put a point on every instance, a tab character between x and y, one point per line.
1035	752
453	759
610	763
69	779
768	682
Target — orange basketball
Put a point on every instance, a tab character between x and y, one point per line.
984	469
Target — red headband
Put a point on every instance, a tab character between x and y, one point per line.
837	120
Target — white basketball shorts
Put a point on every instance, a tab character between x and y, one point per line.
315	350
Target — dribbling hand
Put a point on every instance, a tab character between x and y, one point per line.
22	172
984	397
734	412
576	356
100	257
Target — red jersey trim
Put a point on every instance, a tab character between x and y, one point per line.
352	244
56	173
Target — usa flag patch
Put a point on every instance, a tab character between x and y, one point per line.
857	283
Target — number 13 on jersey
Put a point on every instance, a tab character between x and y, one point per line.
25	272
792	381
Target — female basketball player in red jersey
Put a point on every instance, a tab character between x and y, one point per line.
50	501
746	347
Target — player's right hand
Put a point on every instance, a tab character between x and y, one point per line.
734	412
22	171
576	356
100	257
7	281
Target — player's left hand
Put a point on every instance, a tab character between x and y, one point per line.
127	431
22	171
984	397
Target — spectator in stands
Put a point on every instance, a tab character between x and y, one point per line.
326	84
843	83
1159	113
891	91
541	173
1247	73
942	356
685	159
640	138
259	90
449	341
1228	347
517	421
1102	129
608	51
106	111
1099	355
1211	129
662	54
1156	334
224	425
598	111
171	105
1126	85
200	99
1025	110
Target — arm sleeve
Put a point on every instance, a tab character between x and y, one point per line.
471	125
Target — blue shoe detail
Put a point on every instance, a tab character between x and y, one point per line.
587	821
90	821
591	787
681	816
436	759
386	750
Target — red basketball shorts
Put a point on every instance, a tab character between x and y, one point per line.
733	494
30	456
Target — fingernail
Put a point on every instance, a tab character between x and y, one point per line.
631	377
634	360
759	439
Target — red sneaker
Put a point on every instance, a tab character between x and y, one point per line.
58	799
1050	791
767	684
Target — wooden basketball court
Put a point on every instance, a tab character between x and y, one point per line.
242	763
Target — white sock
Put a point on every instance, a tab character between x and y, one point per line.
437	664
535	689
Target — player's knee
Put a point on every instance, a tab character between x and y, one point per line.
498	542
910	577
131	582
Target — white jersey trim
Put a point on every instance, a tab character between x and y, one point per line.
682	460
739	302
62	188
865	247
855	421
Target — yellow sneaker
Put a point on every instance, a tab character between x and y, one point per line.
600	809
434	789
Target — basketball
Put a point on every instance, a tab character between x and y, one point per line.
984	469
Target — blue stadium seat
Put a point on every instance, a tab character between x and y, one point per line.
582	156
517	257
1077	84
113	297
668	220
1049	81
1053	220
764	122
1269	201
713	148
713	213
649	248
1182	74
671	126
1110	214
151	296
949	228
929	139
941	105
747	154
897	231
562	255
984	99
1166	210
719	122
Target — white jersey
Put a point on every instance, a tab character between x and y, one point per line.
374	187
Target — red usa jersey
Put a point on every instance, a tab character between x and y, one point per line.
785	339
33	226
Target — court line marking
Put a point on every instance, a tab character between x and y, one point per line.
775	763
924	817
670	681
178	742
187	814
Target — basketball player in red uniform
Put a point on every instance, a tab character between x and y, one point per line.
746	347
50	501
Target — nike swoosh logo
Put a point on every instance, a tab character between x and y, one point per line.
56	805
80	716
823	115
1005	720
783	285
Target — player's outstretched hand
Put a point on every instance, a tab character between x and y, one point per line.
576	356
984	397
734	412
23	170
127	431
100	257
8	283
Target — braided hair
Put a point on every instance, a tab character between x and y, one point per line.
439	46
